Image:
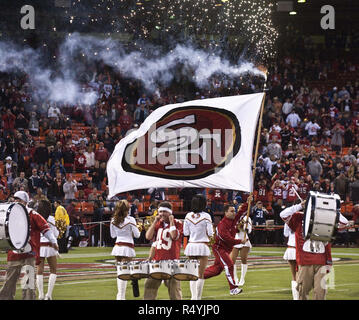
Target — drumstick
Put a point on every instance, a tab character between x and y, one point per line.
301	200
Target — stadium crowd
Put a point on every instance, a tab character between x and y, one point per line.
309	141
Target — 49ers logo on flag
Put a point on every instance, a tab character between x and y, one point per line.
186	143
202	143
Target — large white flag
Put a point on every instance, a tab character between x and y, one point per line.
201	144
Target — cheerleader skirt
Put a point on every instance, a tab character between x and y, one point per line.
289	254
123	251
46	252
241	245
197	249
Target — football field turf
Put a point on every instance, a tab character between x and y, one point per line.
90	274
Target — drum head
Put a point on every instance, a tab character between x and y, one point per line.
18	226
307	217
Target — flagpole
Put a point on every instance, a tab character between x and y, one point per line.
255	157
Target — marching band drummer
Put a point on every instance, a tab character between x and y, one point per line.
289	255
244	228
17	259
198	226
48	252
124	228
313	257
167	232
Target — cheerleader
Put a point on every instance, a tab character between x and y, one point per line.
244	229
47	252
290	256
198	226
124	228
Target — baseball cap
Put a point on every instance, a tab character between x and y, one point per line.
8	158
22	195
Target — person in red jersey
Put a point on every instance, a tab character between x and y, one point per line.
27	256
277	189
290	187
168	233
303	188
225	240
313	257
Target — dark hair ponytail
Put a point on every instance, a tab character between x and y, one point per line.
198	203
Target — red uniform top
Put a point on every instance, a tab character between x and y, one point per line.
303	190
291	193
166	247
303	257
80	161
218	195
278	193
226	231
37	225
262	194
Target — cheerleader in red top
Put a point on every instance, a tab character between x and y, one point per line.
167	232
313	257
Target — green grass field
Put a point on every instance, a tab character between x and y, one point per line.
268	277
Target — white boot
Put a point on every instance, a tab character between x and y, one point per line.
244	268
50	287
121	289
236	281
295	292
199	288
124	290
40	286
193	288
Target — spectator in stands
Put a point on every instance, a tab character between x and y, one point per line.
287	107
341	185
337	137
312	128
34	125
354	190
102	122
186	195
90	158
57	166
141	113
70	189
80	161
217	197
134	209
314	168
56	154
20	183
41	153
293	119
53	111
39	195
56	189
274	148
68	157
50	139
125	122
101	154
34	182
259	215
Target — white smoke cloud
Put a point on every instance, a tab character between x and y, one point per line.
153	70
